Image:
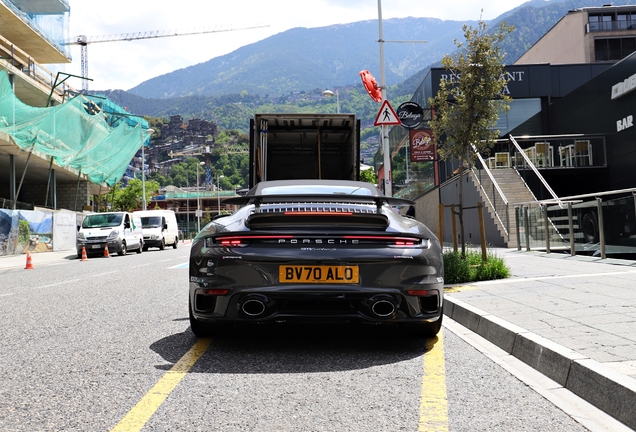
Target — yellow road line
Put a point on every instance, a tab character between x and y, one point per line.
433	400
139	415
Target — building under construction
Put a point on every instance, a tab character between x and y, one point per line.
58	147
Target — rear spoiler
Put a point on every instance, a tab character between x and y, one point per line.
257	200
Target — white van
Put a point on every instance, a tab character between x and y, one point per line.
121	231
159	227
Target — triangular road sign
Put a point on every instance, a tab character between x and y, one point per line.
387	116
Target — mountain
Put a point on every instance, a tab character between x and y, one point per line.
306	58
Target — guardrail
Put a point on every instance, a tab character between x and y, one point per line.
22	62
596	224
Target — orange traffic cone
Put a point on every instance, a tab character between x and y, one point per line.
29	264
106	254
84	256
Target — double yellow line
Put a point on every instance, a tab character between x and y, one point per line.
433	415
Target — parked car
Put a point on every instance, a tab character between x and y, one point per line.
159	228
120	231
313	250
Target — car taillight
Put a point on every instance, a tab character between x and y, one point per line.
216	292
421	293
241	241
392	241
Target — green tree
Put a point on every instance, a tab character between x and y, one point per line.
368	175
128	198
467	106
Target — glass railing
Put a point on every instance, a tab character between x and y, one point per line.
602	224
602	26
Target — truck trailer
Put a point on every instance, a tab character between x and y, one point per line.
304	146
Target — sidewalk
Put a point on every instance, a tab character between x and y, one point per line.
45	258
571	318
42	258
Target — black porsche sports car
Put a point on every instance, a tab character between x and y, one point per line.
316	250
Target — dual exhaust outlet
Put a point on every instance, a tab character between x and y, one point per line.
381	306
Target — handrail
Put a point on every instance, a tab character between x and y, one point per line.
496	185
536	171
483	163
577	198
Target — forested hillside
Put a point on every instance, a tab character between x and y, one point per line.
283	60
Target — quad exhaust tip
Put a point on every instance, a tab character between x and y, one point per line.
254	305
384	306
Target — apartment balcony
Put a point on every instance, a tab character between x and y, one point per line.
34	27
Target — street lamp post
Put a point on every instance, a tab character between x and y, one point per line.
330	93
187	203
218	193
143	170
198	200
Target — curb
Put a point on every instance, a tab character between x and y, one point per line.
608	390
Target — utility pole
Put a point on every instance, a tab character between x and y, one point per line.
384	130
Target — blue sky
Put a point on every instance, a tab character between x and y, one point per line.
123	65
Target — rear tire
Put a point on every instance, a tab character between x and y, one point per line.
427	329
199	328
590	227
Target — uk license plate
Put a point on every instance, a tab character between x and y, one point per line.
318	274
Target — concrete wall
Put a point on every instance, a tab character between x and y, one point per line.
427	210
35	193
563	44
449	194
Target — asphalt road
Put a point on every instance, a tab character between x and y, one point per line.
90	345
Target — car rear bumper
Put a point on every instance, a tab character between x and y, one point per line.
330	303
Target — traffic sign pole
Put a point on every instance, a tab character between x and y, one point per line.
384	130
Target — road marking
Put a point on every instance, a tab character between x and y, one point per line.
184	265
538	278
169	259
139	415
459	288
142	265
6	295
59	283
103	274
433	399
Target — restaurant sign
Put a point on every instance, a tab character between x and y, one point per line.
422	145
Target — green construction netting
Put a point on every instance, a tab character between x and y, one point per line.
75	134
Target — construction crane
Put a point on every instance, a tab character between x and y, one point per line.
205	151
83	40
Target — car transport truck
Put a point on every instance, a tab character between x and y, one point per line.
304	146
